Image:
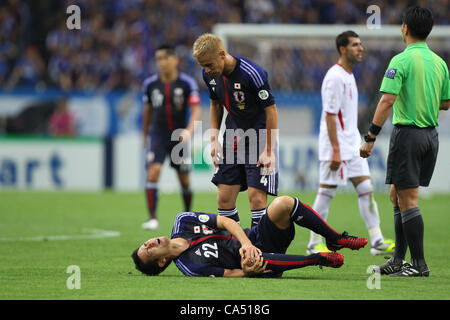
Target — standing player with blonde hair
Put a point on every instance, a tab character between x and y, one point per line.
339	141
242	88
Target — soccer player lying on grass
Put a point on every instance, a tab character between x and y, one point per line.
204	244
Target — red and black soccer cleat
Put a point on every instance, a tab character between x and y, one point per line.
331	259
346	241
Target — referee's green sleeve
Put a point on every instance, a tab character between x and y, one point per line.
393	77
446	85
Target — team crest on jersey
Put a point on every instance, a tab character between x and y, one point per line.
197	229
239	96
206	230
263	94
203	218
390	73
178	98
157	98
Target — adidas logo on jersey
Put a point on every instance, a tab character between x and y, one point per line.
212	82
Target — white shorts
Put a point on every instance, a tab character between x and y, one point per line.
356	167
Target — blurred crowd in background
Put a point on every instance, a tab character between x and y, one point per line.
114	48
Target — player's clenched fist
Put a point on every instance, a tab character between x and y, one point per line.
365	150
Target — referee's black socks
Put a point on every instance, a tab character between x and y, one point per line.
413	229
401	246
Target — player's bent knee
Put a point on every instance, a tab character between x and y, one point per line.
393	196
280	210
225	203
283	204
258	204
257	198
358	180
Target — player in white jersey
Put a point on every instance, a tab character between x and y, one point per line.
339	142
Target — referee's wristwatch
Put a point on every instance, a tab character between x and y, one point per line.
368	138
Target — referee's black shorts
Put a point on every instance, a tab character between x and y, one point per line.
412	156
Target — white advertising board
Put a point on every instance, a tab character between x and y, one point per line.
41	164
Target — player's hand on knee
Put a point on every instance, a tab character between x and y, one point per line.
249	251
256	266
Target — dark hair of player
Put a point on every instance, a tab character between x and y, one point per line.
342	39
150	268
419	21
170	50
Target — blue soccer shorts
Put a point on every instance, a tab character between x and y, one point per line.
159	146
246	175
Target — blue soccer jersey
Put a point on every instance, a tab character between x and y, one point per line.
170	101
245	92
210	251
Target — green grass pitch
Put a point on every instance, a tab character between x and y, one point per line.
43	233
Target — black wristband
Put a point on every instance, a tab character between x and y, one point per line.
368	138
374	129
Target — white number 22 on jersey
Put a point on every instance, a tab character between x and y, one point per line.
210	250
